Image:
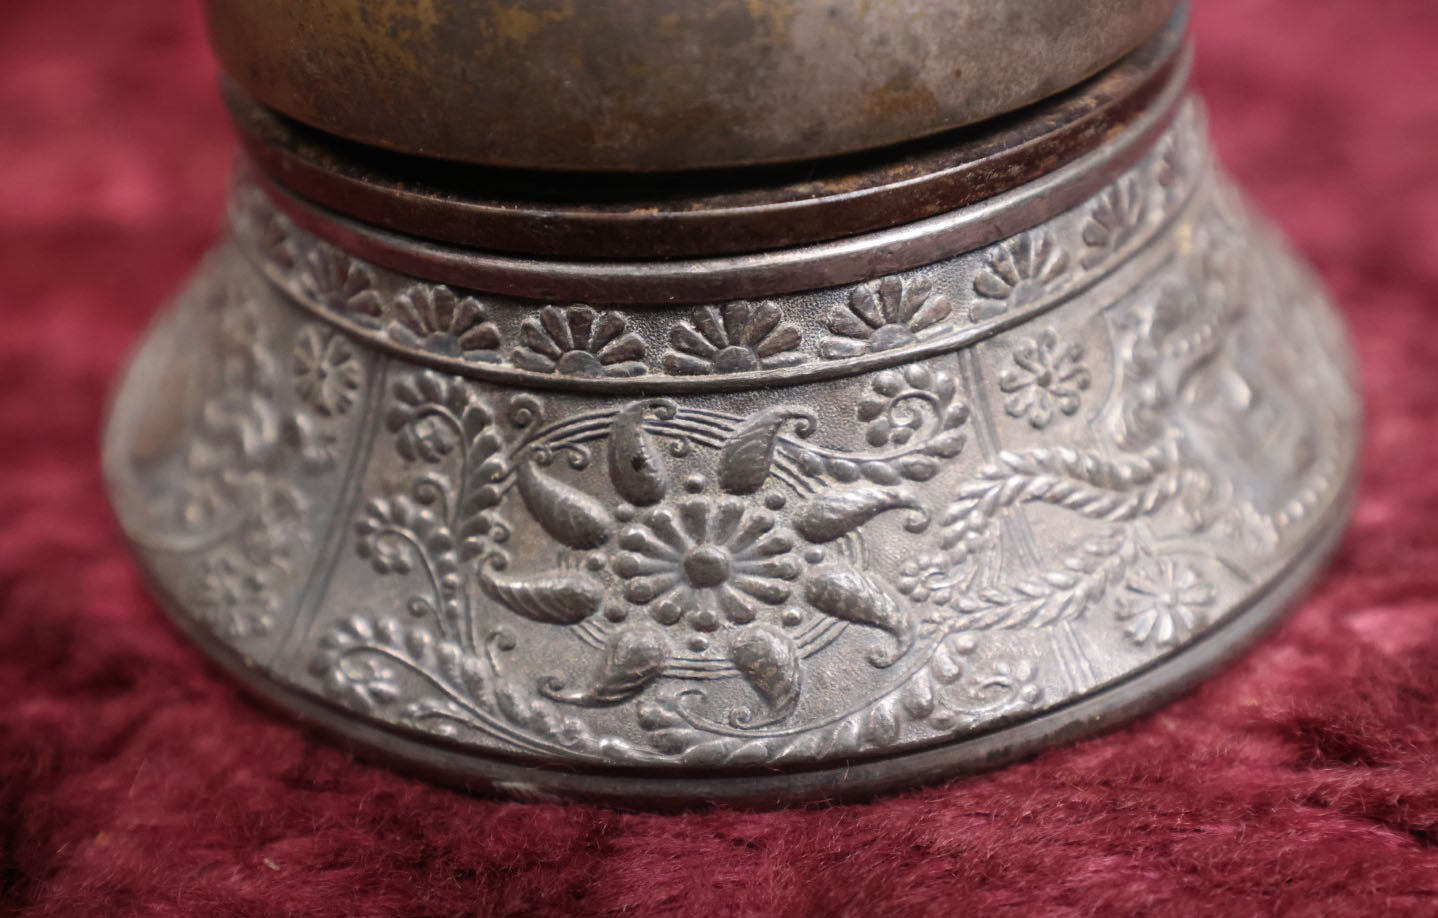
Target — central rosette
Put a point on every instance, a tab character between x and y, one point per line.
711	571
703	561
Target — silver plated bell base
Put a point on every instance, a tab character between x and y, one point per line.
816	543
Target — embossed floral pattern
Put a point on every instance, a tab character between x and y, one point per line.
317	447
326	370
704	566
882	315
1016	272
275	528
1178	160
902	403
340	284
1114	219
703	562
275	240
734	338
1165	602
233	597
384	534
923	577
440	321
429	415
1047	377
578	341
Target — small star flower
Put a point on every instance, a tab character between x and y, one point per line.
1047	376
233	598
326	370
1165	603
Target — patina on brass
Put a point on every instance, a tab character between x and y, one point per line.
761	485
662	84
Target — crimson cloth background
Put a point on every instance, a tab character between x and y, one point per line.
135	780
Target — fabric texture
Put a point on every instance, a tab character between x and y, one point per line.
135	779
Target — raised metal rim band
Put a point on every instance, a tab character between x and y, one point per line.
259	225
700	280
670	215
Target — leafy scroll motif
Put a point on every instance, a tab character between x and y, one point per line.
768	660
447	515
843	592
838	512
1189	373
441	670
944	692
236	436
710	557
951	581
564	598
632	659
233	504
914	422
570	516
748	454
372	664
1060	594
695	556
638	470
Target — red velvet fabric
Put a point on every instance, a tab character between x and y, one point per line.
135	780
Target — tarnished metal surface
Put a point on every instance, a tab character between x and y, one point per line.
813	544
759	274
659	84
713	213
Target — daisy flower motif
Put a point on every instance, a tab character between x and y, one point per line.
438	320
706	562
734	338
1047	377
338	284
327	371
1165	602
579	341
233	598
1017	273
879	316
1114	220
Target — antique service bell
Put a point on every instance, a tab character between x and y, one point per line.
757	401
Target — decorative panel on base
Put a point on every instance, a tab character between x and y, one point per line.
808	545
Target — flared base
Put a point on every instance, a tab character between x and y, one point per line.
804	545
